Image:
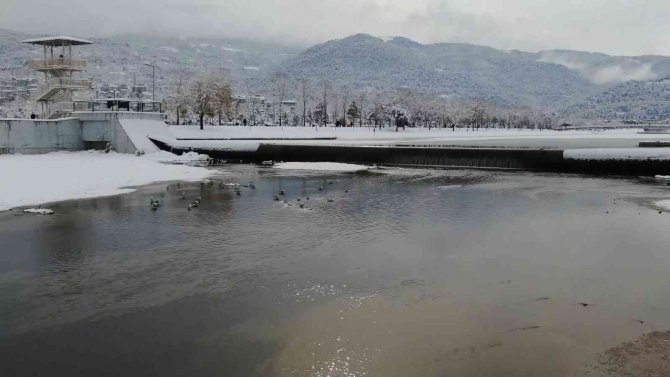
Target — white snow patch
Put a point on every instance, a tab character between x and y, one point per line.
449	187
35	179
39	211
231	49
163	156
665	204
320	166
638	154
169	49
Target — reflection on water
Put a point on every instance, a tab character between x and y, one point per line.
395	272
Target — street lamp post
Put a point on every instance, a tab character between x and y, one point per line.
153	80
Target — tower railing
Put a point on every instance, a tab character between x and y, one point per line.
57	63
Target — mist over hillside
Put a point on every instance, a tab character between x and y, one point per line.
605	69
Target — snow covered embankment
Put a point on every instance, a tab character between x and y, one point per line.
36	179
618	154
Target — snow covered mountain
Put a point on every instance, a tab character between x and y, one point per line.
628	101
547	80
458	71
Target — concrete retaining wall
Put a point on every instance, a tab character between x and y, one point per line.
29	136
105	127
83	130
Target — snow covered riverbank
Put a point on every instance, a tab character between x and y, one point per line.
36	179
247	139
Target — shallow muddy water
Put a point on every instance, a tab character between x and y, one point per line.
389	273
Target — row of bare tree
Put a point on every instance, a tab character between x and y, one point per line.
210	96
207	95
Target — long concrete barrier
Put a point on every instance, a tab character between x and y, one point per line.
448	157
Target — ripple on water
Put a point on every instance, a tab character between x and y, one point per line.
312	292
404	231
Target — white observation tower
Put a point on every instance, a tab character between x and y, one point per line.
58	66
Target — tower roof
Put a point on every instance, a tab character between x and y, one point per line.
57	41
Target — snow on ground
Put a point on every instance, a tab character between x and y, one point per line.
659	154
39	211
621	138
665	204
223	145
320	166
163	156
35	179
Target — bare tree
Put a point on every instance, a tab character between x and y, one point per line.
345	94
304	102
178	99
326	86
360	123
280	84
223	97
320	113
477	115
354	111
253	110
335	107
203	98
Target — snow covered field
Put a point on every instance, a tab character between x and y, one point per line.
36	179
623	138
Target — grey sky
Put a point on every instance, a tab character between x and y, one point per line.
628	27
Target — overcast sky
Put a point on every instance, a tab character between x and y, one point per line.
627	27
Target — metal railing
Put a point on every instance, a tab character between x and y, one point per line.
62	107
57	63
119	104
62	83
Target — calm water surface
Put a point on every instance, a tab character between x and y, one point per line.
409	273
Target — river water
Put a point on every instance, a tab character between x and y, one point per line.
395	272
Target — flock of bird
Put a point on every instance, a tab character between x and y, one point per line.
299	200
154	204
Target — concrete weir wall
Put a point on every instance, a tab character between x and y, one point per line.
490	158
31	136
453	157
